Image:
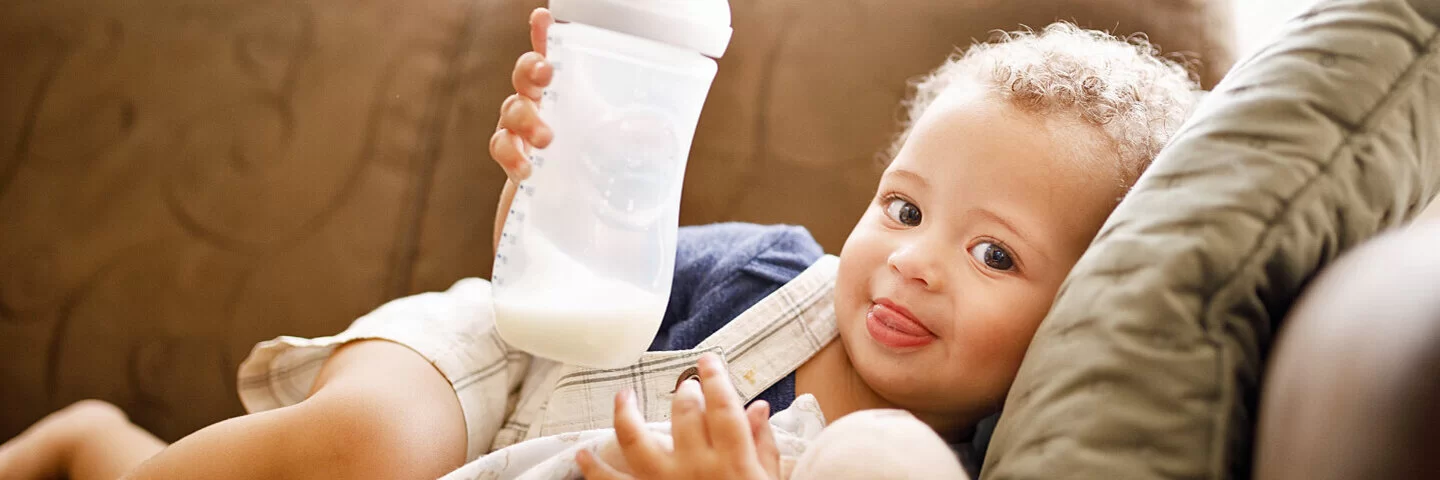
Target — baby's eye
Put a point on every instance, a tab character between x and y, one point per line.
993	256
902	211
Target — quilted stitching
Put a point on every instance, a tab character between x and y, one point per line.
1149	363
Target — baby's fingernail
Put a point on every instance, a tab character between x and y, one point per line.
690	384
535	73
625	397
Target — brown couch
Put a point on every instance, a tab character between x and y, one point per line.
1362	352
182	179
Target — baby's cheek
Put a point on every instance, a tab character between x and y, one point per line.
999	345
850	290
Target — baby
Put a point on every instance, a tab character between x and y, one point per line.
1012	156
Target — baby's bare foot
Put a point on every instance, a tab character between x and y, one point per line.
42	450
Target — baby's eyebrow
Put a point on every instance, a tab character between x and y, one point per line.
908	175
987	213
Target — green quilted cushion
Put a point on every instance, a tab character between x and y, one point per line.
1149	364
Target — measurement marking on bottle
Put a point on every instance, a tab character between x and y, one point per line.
537	161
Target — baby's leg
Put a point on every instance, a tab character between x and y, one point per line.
878	444
89	439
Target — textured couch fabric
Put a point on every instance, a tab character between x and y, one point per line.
1149	364
180	179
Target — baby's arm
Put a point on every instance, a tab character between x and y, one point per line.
377	410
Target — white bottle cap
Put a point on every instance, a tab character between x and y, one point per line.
701	25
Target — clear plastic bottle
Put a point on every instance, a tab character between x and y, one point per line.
583	271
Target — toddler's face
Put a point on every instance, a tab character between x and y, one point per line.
975	224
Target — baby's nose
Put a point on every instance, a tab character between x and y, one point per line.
916	263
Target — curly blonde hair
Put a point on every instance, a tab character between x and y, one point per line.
1121	85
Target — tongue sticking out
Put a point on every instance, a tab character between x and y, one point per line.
893	328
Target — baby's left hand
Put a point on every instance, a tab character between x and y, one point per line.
714	437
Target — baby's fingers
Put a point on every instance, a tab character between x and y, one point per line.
593	468
540	20
724	416
520	115
687	422
765	448
531	75
508	151
644	454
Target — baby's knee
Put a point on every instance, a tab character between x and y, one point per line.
86	415
878	444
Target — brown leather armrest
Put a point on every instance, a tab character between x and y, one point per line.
1353	390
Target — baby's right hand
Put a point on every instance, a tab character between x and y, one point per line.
520	125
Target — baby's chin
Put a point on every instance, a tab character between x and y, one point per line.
926	381
907	391
915	381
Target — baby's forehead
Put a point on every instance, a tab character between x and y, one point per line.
1068	139
981	147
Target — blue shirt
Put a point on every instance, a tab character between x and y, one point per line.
723	269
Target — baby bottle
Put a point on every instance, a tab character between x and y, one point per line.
583	270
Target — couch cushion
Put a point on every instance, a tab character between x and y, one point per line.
1149	364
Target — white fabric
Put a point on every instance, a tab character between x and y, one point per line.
509	396
553	457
